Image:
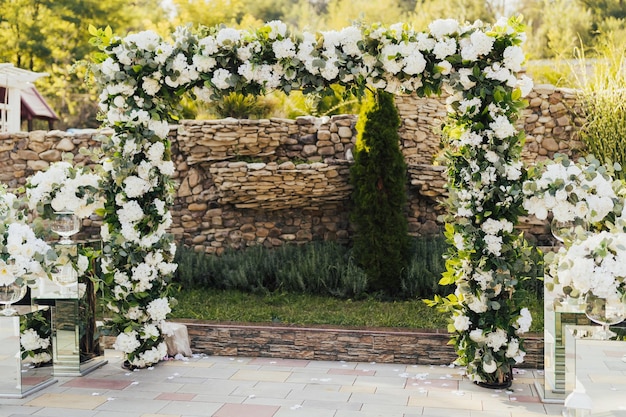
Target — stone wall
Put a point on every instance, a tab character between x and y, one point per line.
384	345
248	182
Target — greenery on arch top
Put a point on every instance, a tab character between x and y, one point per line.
143	77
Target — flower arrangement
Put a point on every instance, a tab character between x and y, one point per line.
594	266
142	77
23	256
63	187
584	190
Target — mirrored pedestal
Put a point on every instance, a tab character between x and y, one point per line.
75	351
20	377
596	366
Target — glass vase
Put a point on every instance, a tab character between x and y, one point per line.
566	231
65	224
606	312
9	294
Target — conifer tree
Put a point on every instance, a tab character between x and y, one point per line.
379	197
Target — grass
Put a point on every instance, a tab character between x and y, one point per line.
306	309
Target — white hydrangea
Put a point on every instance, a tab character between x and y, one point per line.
220	78
497	339
158	309
502	127
127	342
443	27
284	49
513	57
444	48
228	37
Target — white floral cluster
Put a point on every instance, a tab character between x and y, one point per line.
594	265
571	191
64	188
31	341
130	342
22	254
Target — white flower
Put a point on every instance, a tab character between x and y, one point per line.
158	309
513	58
146	40
478	336
284	49
497	339
136	187
444	48
524	321
461	323
127	342
7	276
150	331
525	84
471	107
278	29
131	212
464	74
30	340
220	78
490	366
228	37
494	244
502	127
513	351
443	27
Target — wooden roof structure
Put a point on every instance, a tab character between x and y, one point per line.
20	100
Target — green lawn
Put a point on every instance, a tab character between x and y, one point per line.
302	309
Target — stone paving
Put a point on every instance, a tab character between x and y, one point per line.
261	387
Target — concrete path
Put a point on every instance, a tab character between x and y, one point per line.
261	387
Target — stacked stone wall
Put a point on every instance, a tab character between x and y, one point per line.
273	181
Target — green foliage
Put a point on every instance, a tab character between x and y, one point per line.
242	106
604	106
335	101
425	266
308	309
303	309
379	179
316	268
325	268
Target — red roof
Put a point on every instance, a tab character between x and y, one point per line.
33	105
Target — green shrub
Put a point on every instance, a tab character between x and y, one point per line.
604	107
379	178
425	267
324	268
242	106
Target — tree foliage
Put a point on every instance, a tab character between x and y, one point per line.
379	178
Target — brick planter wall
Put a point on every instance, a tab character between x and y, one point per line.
406	346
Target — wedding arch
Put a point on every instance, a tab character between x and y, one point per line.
143	78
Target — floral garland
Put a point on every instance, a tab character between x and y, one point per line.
142	77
